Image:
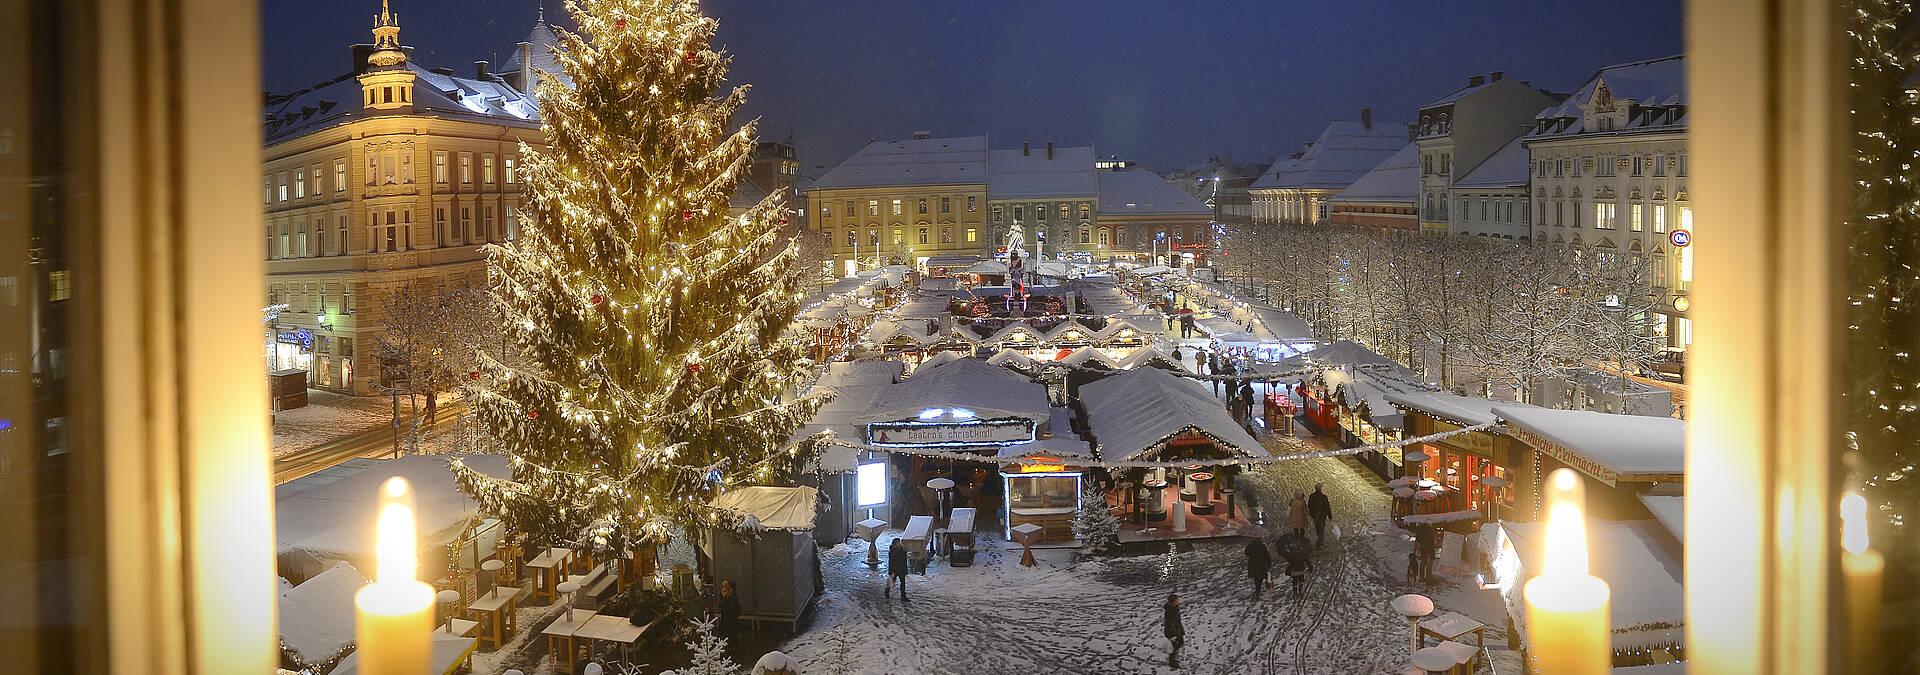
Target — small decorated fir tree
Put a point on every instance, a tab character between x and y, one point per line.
1095	525
709	652
647	322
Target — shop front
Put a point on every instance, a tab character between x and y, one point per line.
1485	471
291	349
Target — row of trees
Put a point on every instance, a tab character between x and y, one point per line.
1496	315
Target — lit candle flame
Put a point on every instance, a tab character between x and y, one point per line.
1566	546
1853	523
394	548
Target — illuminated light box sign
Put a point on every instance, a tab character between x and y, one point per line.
988	432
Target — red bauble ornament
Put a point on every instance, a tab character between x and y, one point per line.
533	414
597	299
686	215
783	221
475	375
692	57
693	367
619	23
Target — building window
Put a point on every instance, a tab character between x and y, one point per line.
488	228
1542	166
283	186
896	207
1019	213
508	172
1064	212
1659	166
466	168
1558	215
299	184
1559	169
946	205
512	224
339	175
972	235
1634	218
899	239
1086	236
1084	210
999	213
971	205
1659	218
923	236
1106	238
873	207
850	209
269	188
486	169
1603	214
853	239
1639	164
923	206
1682	165
440	167
873	238
341	234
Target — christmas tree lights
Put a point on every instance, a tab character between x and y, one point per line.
650	324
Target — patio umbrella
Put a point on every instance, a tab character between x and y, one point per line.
1294	546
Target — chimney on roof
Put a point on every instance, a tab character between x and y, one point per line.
1026	149
526	70
922	135
1476	80
1049	149
1366	119
1498	75
444	71
480	70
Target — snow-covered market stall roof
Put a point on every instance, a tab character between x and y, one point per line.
1343	353
1140	325
884	332
987	391
1081	356
1060	446
1009	357
854	385
772	508
316	617
1648	607
1152	270
937	360
1668	504
1144	355
988	268
1609	448
1138	412
1465	411
331	512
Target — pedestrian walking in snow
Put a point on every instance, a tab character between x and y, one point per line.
897	569
1321	509
1213	368
730	610
1297	513
1186	325
1246	403
1176	633
1176	356
1258	562
1297	571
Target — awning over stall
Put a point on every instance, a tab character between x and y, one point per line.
1136	413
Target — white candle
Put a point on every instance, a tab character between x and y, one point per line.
1567	622
395	617
1860	568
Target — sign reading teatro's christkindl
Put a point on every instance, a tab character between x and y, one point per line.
984	432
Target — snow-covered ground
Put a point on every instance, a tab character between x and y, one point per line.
1103	614
329	416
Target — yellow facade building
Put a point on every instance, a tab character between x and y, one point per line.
902	202
389	175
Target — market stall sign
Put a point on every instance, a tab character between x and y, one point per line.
1566	456
985	432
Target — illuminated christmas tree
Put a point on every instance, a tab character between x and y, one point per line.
648	322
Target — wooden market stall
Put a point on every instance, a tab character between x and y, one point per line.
770	560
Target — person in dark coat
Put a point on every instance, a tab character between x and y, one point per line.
1213	368
1423	545
1176	357
1176	633
1246	402
897	569
1321	509
729	610
1186	325
1258	562
1297	570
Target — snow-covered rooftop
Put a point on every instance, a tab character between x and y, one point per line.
1139	192
337	101
1031	174
1643	578
332	512
776	508
923	161
1395	179
317	617
1657	89
1344	152
1342	353
987	390
855	385
1670	510
1059	446
1131	414
1468	410
1622	444
1506	168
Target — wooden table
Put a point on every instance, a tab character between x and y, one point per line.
870	530
495	613
609	628
548	570
1452	626
560	643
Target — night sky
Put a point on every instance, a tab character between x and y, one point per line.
1249	79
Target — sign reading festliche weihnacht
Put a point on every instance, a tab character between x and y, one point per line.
986	432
